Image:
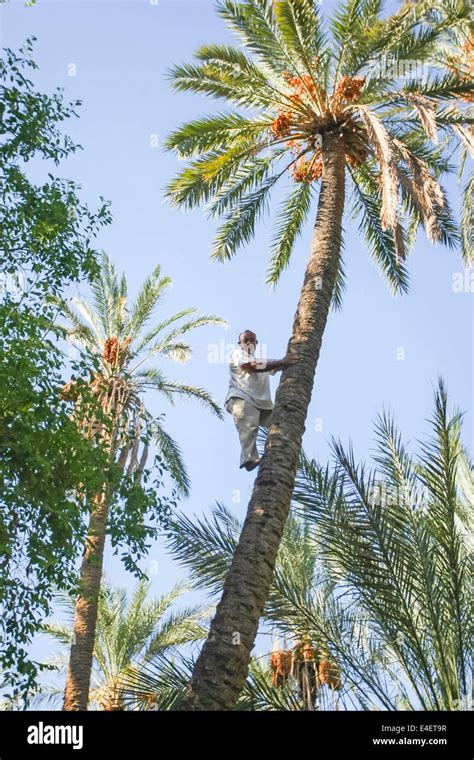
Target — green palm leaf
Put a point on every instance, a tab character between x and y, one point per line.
293	215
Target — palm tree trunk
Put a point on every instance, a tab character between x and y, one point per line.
222	666
76	695
76	692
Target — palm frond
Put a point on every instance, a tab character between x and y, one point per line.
175	350
300	28
167	345
172	457
158	684
255	26
381	243
91	319
152	334
191	391
181	627
192	324
83	333
207	174
208	132
384	150
247	177
108	298
413	33
146	301
79	336
341	280
205	546
49	697
467	223
224	73
438	472
239	224
349	26
153	378
58	631
289	226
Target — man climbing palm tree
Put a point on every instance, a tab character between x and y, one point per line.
309	109
249	398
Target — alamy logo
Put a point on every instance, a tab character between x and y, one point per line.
41	734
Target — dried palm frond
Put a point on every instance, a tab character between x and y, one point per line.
383	145
467	136
425	190
399	241
426	111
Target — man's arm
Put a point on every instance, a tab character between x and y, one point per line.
260	365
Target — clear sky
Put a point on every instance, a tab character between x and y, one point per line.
113	56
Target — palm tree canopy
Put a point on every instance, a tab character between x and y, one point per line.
125	340
368	78
132	631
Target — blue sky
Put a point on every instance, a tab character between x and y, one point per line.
113	56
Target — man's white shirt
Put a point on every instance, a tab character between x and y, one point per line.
250	386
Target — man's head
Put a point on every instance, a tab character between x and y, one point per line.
248	340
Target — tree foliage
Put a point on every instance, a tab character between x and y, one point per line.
46	239
375	80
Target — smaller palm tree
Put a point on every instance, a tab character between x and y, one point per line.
124	346
131	631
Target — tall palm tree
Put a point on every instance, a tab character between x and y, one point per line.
371	592
320	104
124	344
130	632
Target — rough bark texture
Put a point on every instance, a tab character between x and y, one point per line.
76	695
222	666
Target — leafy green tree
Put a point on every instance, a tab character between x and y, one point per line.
46	242
131	631
372	576
123	343
318	101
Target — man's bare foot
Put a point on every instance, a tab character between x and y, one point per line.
252	465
